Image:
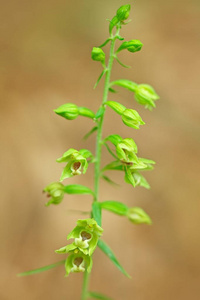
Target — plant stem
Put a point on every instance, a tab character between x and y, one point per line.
99	146
85	285
100	126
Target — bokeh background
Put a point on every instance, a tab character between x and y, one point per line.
45	62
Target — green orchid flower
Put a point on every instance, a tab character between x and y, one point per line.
126	150
78	262
54	190
146	95
86	235
138	216
76	162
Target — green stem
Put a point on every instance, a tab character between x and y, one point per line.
85	285
99	144
100	126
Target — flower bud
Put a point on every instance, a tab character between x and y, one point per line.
98	55
131	46
138	216
131	118
54	190
68	111
146	95
123	12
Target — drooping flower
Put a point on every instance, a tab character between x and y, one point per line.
78	262
146	95
86	235
76	162
54	190
138	216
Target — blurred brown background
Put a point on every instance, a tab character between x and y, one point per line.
45	62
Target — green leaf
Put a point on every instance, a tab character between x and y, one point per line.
106	178
110	151
116	106
86	112
114	139
105	43
123	65
77	189
113	23
106	249
96	212
90	132
101	75
100	112
115	207
112	90
115	165
39	270
97	296
119	38
127	84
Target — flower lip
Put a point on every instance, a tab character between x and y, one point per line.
76	165
85	235
78	261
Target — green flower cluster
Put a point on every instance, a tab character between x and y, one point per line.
126	151
86	235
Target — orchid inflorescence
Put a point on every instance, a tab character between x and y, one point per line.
87	233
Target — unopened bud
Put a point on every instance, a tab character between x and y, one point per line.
98	54
138	216
146	95
54	190
131	118
123	12
68	111
131	46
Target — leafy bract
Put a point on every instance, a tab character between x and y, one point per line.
77	189
99	296
107	250
127	84
42	269
115	207
96	212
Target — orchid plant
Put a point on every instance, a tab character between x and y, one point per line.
86	235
